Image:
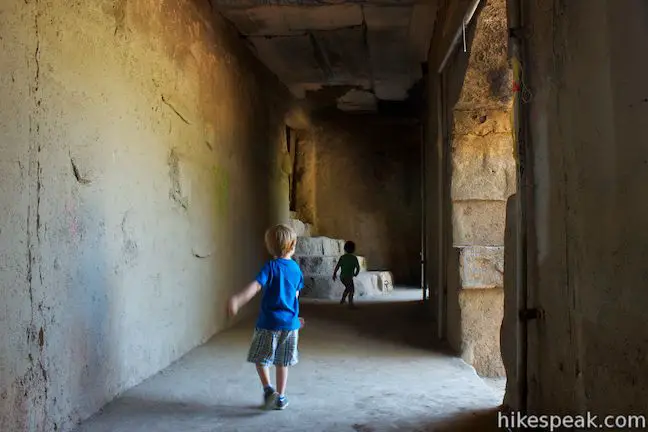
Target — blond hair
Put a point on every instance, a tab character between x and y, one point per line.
280	240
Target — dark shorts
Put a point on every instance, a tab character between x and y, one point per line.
348	283
274	347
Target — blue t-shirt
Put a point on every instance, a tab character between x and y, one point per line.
281	279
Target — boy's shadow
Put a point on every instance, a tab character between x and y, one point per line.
139	411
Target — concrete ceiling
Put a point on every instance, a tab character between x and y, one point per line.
372	49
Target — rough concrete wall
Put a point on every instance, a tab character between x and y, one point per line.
126	127
481	176
508	332
588	270
367	189
432	154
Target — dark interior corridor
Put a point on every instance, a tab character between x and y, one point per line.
489	154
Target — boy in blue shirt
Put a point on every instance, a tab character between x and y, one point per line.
277	328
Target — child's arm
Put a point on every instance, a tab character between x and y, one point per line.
239	300
337	267
356	271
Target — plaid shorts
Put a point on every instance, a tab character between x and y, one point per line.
274	347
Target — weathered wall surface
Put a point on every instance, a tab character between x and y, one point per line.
139	149
367	188
588	267
508	331
306	178
432	167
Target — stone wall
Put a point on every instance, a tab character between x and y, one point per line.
478	175
139	149
363	173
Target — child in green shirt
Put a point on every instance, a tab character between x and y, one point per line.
349	268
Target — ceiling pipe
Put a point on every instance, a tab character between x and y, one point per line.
458	36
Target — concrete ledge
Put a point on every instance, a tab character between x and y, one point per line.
481	267
378	282
302	229
313	265
367	285
314	246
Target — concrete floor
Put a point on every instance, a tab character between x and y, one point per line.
365	370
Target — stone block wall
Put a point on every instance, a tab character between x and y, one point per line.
482	175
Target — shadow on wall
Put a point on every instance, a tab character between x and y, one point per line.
453	80
507	330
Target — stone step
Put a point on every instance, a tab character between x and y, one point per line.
302	229
367	285
313	265
318	246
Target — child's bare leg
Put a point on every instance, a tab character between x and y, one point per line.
351	294
282	379
344	296
264	375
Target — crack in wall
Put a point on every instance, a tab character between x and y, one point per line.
119	10
167	103
34	168
77	174
201	256
36	385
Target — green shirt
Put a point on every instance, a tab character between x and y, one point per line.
348	264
